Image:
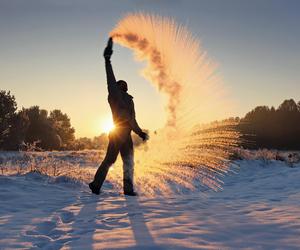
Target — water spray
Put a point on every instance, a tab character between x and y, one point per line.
178	67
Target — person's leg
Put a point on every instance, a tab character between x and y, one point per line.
126	151
110	157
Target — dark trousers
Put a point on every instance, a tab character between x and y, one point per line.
119	141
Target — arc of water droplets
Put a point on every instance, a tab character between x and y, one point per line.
182	153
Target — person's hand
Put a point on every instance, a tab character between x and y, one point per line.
144	136
108	50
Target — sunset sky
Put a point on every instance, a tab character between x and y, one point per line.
51	54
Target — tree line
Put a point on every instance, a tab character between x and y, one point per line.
37	129
263	127
271	128
33	126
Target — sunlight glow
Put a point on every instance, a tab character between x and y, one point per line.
107	125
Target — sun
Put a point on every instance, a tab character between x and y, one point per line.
107	125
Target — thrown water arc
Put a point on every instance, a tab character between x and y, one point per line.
178	67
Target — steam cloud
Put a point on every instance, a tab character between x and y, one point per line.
157	71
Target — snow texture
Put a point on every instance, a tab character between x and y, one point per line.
257	209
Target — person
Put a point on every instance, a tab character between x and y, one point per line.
120	140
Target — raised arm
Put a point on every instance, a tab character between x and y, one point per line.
111	80
109	72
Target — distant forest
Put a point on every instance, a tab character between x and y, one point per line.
35	129
271	128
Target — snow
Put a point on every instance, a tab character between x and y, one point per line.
258	208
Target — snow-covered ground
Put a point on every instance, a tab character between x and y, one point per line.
259	208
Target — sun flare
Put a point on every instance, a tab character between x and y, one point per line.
108	125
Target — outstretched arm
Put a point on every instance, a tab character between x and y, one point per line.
109	72
111	80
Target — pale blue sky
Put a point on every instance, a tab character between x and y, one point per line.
51	53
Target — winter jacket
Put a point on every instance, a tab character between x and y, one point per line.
121	103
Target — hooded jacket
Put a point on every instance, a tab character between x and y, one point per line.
121	103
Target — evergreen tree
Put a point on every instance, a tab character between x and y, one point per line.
62	125
272	128
40	129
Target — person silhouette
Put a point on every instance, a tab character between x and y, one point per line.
120	140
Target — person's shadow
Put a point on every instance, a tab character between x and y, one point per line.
142	236
135	211
85	216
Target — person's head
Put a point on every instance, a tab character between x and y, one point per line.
122	85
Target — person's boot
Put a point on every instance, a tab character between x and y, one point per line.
94	188
128	188
99	178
